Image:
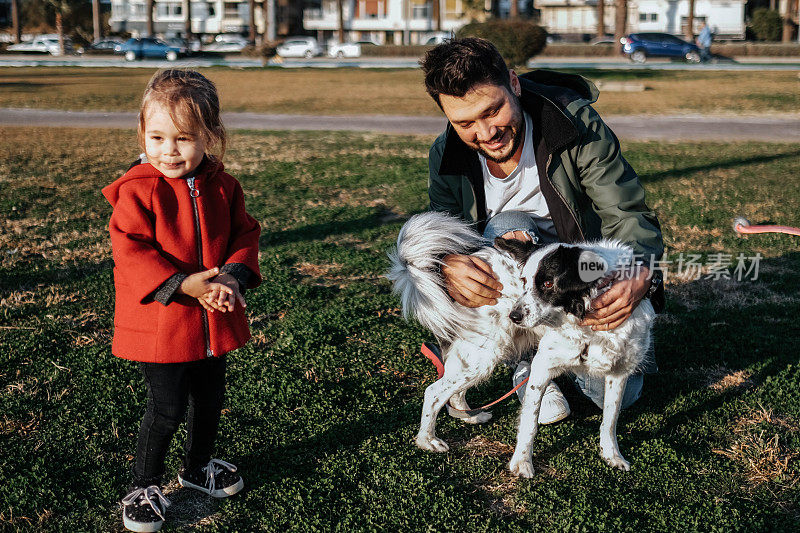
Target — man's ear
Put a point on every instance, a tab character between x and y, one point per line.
519	250
513	81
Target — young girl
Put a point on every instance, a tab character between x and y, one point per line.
184	251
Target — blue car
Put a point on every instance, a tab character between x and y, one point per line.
640	46
147	47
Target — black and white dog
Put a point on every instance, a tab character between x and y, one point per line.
546	293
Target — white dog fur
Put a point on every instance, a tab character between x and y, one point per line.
473	341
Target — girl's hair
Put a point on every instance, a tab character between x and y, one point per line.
193	105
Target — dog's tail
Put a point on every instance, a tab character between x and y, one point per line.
423	241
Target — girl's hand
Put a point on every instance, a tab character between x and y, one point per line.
225	293
197	285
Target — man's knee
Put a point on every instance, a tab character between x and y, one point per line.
594	388
502	223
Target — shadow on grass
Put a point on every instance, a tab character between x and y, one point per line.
717	165
315	232
35	273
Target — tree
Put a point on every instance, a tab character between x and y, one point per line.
186	6
513	9
340	12
620	22
437	15
97	33
16	28
601	15
148	8
251	21
788	25
690	23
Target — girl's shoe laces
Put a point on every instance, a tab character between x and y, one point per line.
212	470
150	496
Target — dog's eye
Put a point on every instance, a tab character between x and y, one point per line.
547	284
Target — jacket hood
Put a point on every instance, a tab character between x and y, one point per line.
558	87
207	167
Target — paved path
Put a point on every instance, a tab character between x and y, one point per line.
673	128
549	62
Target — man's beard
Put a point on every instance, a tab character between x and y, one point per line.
518	136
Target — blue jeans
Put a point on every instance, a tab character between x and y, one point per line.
502	223
590	386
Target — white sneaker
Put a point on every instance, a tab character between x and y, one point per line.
554	405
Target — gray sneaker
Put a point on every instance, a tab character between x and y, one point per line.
554	406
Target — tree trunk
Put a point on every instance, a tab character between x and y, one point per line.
690	23
270	33
620	23
340	12
786	36
601	15
60	31
251	21
149	5
98	32
437	15
187	22
16	28
513	11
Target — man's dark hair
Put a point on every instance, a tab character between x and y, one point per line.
456	66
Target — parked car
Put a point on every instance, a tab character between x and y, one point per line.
439	38
340	50
307	47
149	47
185	47
226	44
101	46
43	44
640	46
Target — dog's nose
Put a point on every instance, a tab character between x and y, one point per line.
515	316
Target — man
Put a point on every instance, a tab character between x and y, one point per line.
527	157
704	41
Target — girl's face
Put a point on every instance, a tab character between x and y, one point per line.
172	152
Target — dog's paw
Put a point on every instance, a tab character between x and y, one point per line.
521	467
616	461
432	445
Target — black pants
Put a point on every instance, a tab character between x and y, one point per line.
171	387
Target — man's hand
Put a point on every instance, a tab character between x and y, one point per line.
614	306
516	235
470	281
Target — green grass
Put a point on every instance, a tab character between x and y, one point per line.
323	403
392	92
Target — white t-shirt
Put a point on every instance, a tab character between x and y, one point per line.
520	190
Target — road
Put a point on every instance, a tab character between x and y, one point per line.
605	63
667	128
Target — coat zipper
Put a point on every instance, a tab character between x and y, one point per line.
563	200
194	193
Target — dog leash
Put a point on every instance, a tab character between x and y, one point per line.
742	226
431	351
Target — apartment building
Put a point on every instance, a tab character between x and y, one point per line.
386	21
209	17
579	17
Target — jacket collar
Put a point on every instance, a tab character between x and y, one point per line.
552	129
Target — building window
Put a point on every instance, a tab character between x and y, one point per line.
421	10
653	17
231	10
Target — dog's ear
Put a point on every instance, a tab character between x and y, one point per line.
519	250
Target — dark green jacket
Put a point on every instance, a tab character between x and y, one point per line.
590	189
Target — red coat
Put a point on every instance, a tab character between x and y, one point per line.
153	237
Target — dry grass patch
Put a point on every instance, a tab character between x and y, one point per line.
386	92
757	446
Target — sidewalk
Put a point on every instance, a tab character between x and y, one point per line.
633	127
